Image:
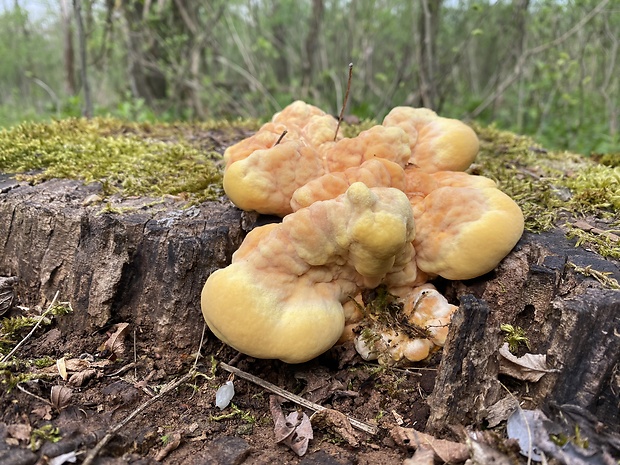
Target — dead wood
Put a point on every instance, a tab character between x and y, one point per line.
568	317
138	260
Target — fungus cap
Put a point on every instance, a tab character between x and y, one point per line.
464	232
437	143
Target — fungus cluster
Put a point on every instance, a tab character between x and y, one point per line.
391	207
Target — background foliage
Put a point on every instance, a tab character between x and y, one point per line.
548	68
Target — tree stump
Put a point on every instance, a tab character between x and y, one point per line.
144	261
568	317
138	260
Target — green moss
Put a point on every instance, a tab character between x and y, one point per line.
127	158
609	159
545	184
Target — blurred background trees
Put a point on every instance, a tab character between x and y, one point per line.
549	68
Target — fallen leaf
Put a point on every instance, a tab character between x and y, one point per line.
483	454
448	451
535	431
66	366
21	432
116	341
78	364
530	367
294	430
44	412
7	294
70	457
524	426
82	377
224	395
337	422
423	456
61	365
174	441
60	396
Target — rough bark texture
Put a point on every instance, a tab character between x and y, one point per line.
565	316
145	265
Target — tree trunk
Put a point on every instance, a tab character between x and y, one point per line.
69	54
147	265
427	52
88	103
308	65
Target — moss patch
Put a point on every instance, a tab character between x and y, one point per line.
185	159
127	158
548	184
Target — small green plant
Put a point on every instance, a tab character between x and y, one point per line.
45	433
515	336
577	439
602	277
245	416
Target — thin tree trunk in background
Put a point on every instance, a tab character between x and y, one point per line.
281	65
520	15
613	109
88	104
68	52
318	9
427	50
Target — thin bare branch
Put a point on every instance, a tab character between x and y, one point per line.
92	454
346	99
362	426
34	328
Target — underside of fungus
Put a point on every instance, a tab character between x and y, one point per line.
391	207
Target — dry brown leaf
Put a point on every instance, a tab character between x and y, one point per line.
44	412
294	430
78	364
116	341
60	396
174	441
82	377
530	367
21	432
423	456
448	451
337	422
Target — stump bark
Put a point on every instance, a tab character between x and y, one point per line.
566	316
137	260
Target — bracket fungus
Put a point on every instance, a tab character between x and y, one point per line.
282	295
391	207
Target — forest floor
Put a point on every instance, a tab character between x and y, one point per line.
108	391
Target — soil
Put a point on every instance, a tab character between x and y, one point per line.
337	380
112	370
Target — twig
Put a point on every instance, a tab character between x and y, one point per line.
25	391
110	434
135	356
346	99
202	338
21	343
366	427
281	137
